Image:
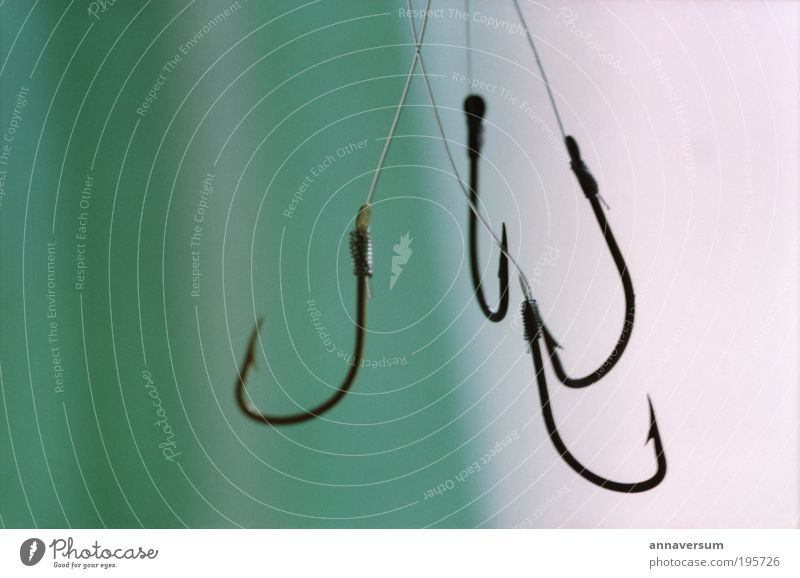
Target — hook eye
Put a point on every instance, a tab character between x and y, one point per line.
475	109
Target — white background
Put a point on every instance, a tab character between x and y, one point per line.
693	137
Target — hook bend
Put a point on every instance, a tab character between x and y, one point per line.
361	249
533	326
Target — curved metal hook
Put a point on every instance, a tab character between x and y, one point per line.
533	327
592	191
475	108
361	249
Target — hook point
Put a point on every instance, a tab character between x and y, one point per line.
653	434
502	269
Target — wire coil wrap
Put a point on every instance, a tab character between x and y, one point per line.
361	251
531	320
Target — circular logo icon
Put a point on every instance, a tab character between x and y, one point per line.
31	552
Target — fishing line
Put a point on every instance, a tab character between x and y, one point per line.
417	44
541	68
523	277
469	39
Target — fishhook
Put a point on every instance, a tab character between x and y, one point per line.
475	108
533	327
361	250
592	192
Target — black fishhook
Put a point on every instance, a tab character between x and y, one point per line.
475	108
533	326
361	250
592	191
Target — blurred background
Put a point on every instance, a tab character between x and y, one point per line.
171	172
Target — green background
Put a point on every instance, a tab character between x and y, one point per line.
265	95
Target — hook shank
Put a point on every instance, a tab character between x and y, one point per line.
475	108
592	191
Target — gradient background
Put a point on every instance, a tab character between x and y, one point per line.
686	113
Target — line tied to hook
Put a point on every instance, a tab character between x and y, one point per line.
531	320
361	245
585	178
